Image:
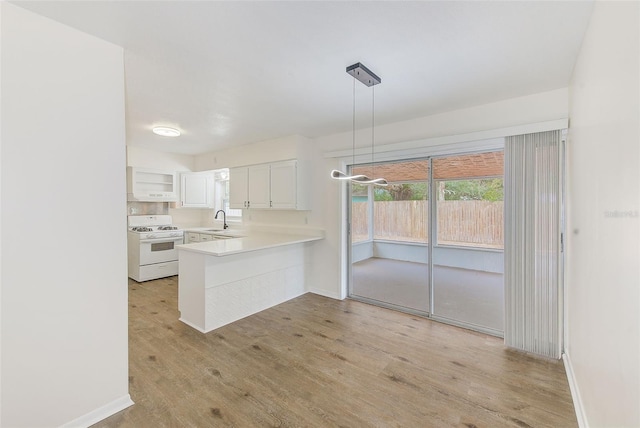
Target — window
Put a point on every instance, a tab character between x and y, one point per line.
470	200
470	213
222	195
359	213
400	212
230	212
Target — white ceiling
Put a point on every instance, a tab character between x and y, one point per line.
231	73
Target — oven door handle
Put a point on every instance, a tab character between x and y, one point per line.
155	240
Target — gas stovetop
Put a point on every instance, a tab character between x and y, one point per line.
152	228
158	225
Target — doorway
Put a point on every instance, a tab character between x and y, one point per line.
432	243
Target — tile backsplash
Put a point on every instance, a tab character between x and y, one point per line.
147	208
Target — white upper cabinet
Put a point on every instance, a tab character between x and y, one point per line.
259	192
197	189
249	187
238	187
149	185
278	185
284	186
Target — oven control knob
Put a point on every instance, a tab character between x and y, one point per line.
151	236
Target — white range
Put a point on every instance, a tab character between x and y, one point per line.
151	246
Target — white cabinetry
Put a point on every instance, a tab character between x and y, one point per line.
149	185
249	187
196	190
284	186
192	237
278	185
238	187
259	191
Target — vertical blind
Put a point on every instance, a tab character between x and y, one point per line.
533	203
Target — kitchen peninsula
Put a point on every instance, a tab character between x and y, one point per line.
223	280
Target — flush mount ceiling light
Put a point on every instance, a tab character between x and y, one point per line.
166	131
369	79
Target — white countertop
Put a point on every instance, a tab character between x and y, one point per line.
252	242
216	231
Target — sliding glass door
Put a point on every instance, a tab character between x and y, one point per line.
439	256
468	248
389	237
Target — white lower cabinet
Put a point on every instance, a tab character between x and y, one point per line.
191	237
157	270
215	291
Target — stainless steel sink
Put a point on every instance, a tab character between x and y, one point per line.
221	233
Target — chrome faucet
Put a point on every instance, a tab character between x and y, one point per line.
224	218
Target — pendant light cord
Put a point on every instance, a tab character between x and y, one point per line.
373	127
353	143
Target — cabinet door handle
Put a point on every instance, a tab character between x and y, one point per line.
270	204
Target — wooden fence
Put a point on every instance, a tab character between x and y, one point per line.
469	223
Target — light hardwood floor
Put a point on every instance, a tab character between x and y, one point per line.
318	362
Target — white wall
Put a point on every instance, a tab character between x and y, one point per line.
145	158
484	260
64	292
603	281
533	108
361	251
291	147
1	184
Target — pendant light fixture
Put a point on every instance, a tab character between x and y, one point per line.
369	79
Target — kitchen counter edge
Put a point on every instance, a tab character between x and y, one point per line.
253	242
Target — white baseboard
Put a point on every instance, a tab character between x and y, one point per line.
575	392
191	325
326	294
100	413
